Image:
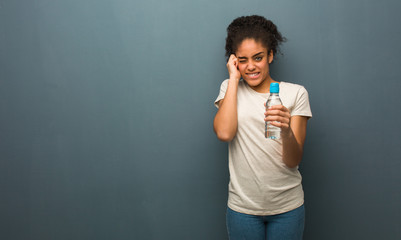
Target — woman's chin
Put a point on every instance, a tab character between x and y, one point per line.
253	82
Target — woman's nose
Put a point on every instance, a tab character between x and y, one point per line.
251	66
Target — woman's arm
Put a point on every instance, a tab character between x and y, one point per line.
293	133
293	141
226	119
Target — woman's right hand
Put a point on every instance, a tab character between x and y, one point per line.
232	66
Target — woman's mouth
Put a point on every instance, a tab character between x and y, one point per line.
253	75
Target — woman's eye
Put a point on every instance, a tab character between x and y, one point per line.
258	58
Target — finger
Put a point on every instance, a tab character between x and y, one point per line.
277	113
280	124
277	119
232	60
279	107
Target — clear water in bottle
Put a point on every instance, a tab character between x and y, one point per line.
271	131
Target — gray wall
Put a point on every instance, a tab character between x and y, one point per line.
106	110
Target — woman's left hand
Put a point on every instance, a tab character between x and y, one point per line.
279	116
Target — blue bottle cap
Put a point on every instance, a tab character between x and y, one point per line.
274	87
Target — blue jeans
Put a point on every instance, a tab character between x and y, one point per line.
284	226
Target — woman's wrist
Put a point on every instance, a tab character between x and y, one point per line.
234	79
286	133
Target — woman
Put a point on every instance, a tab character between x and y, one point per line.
265	192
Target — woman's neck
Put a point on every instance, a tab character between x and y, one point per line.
264	87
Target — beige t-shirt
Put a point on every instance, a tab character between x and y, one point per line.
260	182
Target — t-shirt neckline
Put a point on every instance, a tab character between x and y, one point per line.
258	93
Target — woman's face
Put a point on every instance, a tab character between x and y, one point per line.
253	64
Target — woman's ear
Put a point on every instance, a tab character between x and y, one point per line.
271	56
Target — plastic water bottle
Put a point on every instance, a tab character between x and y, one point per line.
271	131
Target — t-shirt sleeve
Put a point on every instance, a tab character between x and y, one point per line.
223	89
302	106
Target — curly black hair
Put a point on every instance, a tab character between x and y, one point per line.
254	27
